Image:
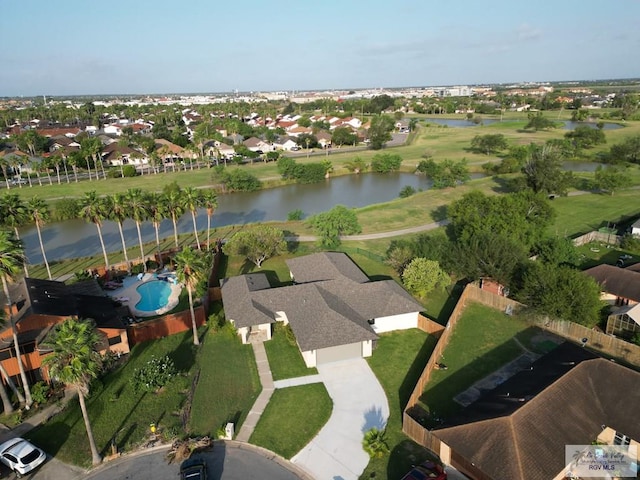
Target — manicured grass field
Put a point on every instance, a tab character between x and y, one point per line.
117	412
397	362
285	359
292	418
228	383
481	342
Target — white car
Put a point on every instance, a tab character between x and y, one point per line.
21	456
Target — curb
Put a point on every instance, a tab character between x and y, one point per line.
283	462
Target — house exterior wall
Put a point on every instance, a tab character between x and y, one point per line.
243	333
309	358
111	333
395	322
266	328
367	348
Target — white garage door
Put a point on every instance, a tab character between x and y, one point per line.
341	352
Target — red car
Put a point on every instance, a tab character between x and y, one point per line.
426	471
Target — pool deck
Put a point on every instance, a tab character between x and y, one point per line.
128	295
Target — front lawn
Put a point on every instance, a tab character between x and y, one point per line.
292	418
284	355
117	412
397	362
482	342
228	384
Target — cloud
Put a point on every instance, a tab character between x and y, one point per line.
526	32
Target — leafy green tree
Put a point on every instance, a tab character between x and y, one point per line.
295	215
240	181
386	162
343	136
257	244
96	209
67	209
399	255
334	223
627	151
310	172
14	214
380	131
421	276
611	179
490	143
74	361
287	168
308	140
446	173
543	171
31	142
539	122
11	259
557	251
584	136
380	103
190	269
561	292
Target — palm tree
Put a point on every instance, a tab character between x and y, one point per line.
6	401
190	268
192	201
95	209
175	208
210	202
75	362
157	213
139	212
39	210
119	213
14	214
11	257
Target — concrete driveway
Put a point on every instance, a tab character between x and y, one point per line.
359	403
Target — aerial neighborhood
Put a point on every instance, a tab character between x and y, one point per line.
389	283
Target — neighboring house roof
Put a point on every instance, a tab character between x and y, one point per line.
330	304
632	311
567	398
84	300
161	144
617	281
636	224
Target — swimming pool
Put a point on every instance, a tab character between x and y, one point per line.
154	295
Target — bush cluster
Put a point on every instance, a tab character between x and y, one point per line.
155	374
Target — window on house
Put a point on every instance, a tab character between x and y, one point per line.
115	340
621	439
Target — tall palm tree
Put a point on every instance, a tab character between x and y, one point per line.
210	202
157	213
190	268
39	210
119	213
11	257
95	209
75	362
139	212
192	201
175	208
6	401
14	214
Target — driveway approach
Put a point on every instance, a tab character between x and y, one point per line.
359	404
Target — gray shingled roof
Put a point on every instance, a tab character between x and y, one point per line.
621	282
331	307
325	266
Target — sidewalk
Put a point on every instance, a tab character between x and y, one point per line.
38	418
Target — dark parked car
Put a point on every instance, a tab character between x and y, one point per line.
426	471
194	468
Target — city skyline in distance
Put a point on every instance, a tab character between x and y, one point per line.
85	49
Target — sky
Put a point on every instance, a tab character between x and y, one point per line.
84	47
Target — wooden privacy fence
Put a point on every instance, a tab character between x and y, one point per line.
165	325
596	236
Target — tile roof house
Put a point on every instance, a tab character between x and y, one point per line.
38	305
519	430
334	310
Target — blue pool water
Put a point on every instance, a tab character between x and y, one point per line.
153	295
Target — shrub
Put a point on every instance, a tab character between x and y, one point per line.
40	392
386	162
407	191
294	215
155	374
375	444
129	171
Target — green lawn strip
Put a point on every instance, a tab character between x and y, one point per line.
584	213
596	253
285	359
292	418
117	412
228	383
397	362
481	343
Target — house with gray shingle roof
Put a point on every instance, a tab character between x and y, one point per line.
334	310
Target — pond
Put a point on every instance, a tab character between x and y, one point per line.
77	238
